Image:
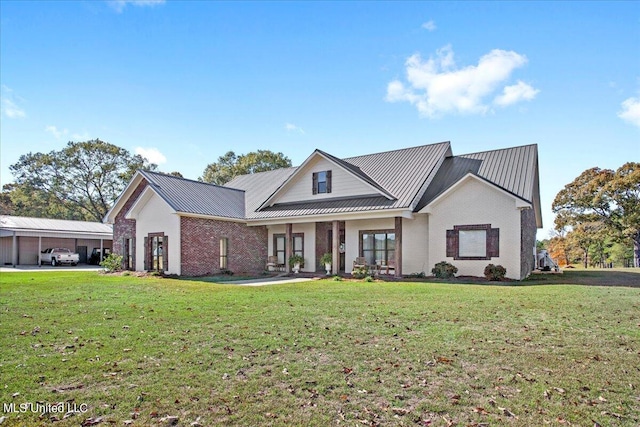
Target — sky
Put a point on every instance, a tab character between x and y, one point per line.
183	82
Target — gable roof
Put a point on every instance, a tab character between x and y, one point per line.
186	196
351	169
401	174
195	197
514	170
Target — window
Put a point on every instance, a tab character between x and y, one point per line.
473	242
129	253
279	246
155	253
224	247
378	246
322	182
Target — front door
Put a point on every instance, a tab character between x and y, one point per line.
156	252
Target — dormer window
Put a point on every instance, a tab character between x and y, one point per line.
322	182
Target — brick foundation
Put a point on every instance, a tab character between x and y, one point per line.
200	246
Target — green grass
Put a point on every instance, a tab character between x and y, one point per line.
136	350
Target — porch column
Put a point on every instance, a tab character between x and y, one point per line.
335	248
288	247
14	250
39	250
398	251
101	251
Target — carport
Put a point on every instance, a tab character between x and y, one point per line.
23	238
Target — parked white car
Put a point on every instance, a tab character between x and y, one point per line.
57	256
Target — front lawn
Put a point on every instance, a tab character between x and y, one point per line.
141	350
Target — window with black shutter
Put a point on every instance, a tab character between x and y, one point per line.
473	242
321	182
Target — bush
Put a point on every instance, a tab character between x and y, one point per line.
360	272
368	279
494	272
337	279
112	263
420	275
444	270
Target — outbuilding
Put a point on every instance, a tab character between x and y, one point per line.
22	239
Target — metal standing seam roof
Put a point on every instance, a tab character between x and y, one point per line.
196	197
400	173
512	169
10	222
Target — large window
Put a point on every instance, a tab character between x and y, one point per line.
280	244
378	247
473	242
322	182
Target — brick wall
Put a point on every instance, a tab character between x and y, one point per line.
528	230
126	228
200	246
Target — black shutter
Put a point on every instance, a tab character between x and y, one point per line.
328	175
452	243
146	253
314	190
493	242
165	254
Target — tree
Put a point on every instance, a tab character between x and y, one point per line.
602	195
231	165
81	181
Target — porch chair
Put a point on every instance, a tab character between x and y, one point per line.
273	265
385	267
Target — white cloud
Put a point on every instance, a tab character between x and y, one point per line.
438	86
151	154
516	93
57	133
631	111
120	5
429	26
289	127
9	104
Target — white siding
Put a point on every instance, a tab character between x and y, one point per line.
475	202
343	183
415	245
156	216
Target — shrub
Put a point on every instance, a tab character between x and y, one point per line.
360	272
368	279
420	275
444	270
494	272
112	263
337	279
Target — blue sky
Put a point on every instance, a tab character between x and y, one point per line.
185	82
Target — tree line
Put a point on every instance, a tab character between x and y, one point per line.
598	218
83	180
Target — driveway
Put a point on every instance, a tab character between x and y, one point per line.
35	268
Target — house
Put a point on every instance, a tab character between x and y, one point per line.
402	210
22	239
